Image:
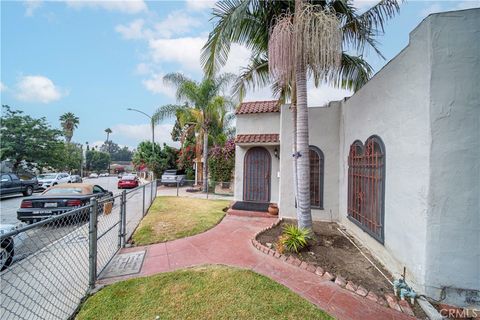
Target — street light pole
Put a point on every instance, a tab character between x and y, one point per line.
152	125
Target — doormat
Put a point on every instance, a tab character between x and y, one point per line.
124	264
251	206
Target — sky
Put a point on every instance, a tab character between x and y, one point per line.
98	58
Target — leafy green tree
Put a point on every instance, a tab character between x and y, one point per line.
23	138
97	160
69	123
68	157
290	33
203	108
109	147
117	153
157	160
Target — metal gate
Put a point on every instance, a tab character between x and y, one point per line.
256	180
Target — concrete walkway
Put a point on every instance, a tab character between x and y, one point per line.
229	243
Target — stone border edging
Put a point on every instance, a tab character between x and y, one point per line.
390	300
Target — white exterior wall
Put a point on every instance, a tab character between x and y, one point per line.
453	236
258	123
323	134
394	105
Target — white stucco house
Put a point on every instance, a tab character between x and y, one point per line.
397	163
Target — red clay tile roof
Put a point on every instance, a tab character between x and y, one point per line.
257	138
258	107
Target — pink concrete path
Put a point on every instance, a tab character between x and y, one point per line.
229	243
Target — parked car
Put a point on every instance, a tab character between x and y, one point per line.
46	180
11	183
128	181
7	249
171	177
105	174
76	179
59	199
93	175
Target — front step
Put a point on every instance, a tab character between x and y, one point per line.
246	213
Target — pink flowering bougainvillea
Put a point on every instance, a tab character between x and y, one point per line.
221	162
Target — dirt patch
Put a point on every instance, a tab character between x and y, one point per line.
336	254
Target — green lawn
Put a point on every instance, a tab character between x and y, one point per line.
172	218
208	292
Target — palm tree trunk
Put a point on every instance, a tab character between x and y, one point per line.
205	160
303	161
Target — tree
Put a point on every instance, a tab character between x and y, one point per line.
116	152
124	154
97	160
108	131
110	147
68	157
291	32
24	138
156	158
204	108
69	123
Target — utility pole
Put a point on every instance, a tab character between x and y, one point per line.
152	124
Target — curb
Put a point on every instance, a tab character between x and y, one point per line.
389	300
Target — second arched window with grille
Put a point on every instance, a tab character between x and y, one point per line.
316	177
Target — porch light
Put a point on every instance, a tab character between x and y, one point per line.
276	154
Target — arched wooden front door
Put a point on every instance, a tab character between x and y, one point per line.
256	175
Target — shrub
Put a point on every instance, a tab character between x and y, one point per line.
221	162
293	238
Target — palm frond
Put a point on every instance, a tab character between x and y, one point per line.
175	79
353	73
215	51
188	91
376	16
255	75
166	111
360	31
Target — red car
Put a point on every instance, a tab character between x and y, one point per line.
128	182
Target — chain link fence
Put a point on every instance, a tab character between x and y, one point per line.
54	263
191	188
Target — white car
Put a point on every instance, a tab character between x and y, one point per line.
105	174
8	245
46	180
93	175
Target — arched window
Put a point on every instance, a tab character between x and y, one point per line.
316	177
366	186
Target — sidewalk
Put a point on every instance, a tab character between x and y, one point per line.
229	243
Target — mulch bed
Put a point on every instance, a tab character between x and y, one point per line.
334	253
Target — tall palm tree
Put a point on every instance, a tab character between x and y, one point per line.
108	131
69	123
253	23
202	107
